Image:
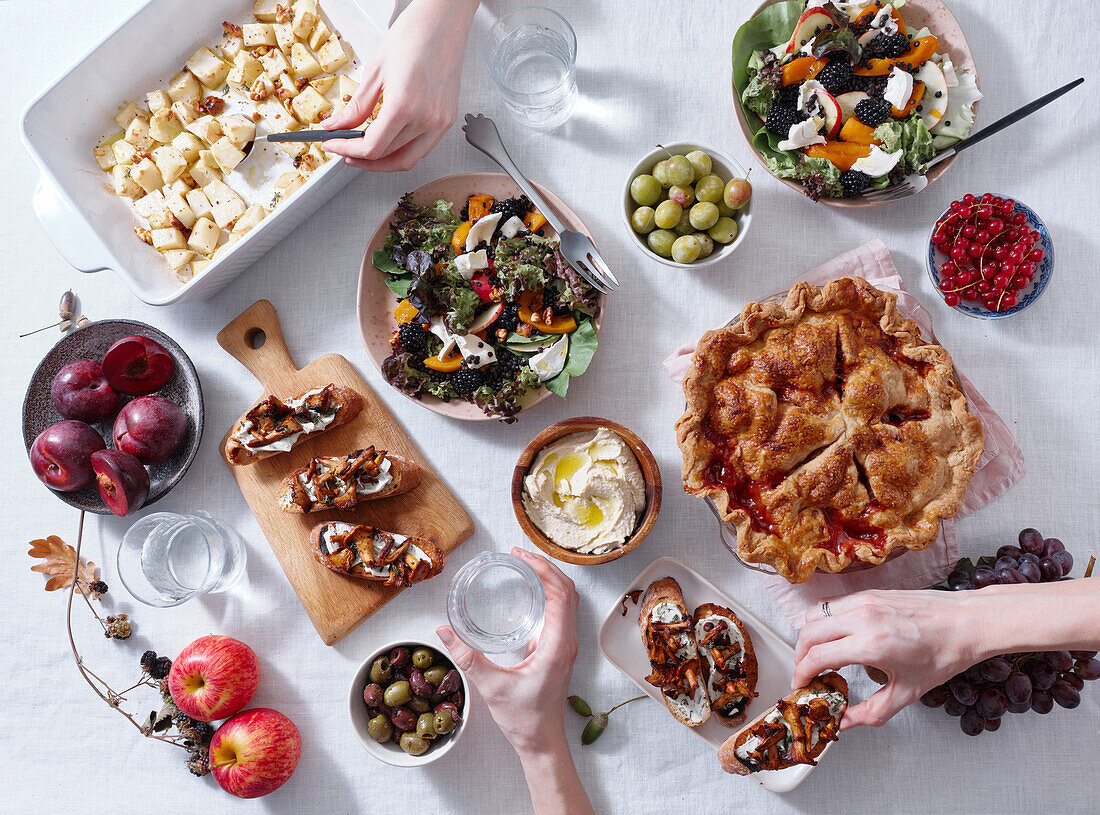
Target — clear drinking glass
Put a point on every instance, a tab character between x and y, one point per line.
495	603
166	559
531	53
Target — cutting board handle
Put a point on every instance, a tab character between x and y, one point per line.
255	339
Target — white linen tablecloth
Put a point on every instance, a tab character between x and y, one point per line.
647	73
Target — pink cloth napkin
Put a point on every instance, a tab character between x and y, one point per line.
1001	464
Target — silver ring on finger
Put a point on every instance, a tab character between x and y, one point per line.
825	609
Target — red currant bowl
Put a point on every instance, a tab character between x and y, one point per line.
989	256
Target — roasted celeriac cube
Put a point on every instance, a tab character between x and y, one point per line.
264	10
137	133
199	203
199	266
284	35
305	18
303	61
249	65
178	187
168	238
278	118
231	45
252	216
314	157
225	205
323	84
125	153
189	144
239	129
345	90
184	113
331	55
208	67
157	100
126	113
227	154
164	126
177	258
262	88
183	87
124	185
147	176
207	160
285	87
309	105
177	205
149	205
274	62
103	153
170	162
206	128
203	175
204	236
255	34
288	182
319	35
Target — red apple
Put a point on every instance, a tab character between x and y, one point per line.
213	677
61	455
255	752
138	366
80	391
150	428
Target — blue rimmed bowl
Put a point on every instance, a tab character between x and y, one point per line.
1044	269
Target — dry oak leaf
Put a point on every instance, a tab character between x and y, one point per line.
58	559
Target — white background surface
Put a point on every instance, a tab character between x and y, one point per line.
647	73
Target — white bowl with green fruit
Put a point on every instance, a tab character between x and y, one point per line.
687	205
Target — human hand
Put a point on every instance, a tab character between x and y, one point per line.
417	70
919	639
527	700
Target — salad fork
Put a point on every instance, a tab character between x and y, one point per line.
482	133
915	182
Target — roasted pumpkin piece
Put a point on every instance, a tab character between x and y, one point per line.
801	69
458	239
532	313
864	18
911	105
479	205
857	132
405	312
449	364
842	154
534	220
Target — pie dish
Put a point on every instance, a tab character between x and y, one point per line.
826	430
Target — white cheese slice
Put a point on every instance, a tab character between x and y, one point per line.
472	262
482	231
549	362
878	163
899	87
949	73
512	227
475	351
803	134
808	91
449	340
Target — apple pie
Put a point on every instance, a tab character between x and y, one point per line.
826	430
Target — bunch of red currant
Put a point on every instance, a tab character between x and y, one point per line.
991	252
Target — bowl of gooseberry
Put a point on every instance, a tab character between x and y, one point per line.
990	256
687	205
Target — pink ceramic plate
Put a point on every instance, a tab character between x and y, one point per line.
376	301
917	14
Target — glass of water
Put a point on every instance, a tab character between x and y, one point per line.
166	559
495	603
531	53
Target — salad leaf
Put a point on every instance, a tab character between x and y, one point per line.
426	228
445	212
457	298
520	264
841	40
958	119
397	278
775	24
503	399
582	346
763	87
910	136
820	176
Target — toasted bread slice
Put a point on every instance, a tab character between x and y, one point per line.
670	644
722	638
341	547
804	730
344	482
250	440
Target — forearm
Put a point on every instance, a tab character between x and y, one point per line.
553	782
1037	617
450	14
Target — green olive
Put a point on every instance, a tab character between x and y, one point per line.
435	675
419	705
425	726
413	744
380	728
381	671
444	721
397	694
423	658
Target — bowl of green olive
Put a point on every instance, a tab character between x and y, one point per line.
408	703
687	205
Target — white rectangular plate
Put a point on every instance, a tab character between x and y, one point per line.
620	639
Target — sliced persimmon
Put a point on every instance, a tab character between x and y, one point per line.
857	132
449	364
405	312
911	105
559	323
458	239
801	69
842	154
869	13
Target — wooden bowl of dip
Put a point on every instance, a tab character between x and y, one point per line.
651	476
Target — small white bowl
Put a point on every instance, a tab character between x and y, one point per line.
723	166
389	752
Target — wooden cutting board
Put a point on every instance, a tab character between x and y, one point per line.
336	604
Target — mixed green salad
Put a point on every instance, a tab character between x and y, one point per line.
845	96
488	309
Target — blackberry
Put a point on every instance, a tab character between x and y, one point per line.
780	119
886	46
413	338
836	76
148	659
467	380
854	182
873	112
871	85
504	371
788	96
509	207
160	668
508	319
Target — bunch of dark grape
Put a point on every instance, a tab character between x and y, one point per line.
1014	683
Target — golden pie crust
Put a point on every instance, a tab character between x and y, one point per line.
826	430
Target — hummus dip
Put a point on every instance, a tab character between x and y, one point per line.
585	491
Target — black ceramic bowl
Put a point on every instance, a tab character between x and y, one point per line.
92	342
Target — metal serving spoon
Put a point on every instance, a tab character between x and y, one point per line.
305	135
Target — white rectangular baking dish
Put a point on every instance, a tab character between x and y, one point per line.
620	640
90	226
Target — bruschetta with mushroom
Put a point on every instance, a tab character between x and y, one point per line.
669	640
275	425
728	660
369	553
794	731
344	482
